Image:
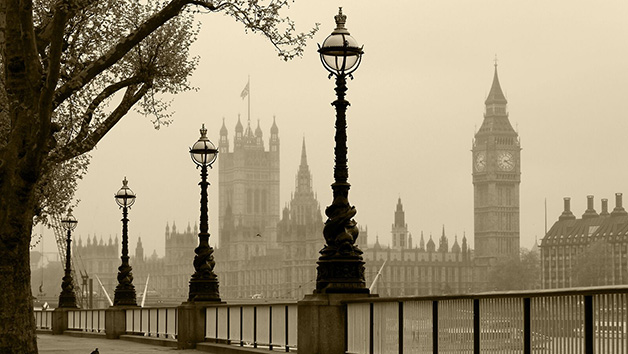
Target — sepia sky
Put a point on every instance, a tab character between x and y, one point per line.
416	101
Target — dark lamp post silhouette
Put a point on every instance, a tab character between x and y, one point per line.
204	282
340	266
125	290
67	298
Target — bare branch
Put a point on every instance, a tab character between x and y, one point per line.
77	148
121	48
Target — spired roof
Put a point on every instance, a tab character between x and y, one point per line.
496	95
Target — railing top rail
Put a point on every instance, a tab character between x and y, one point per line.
615	289
244	303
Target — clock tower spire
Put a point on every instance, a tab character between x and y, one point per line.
496	177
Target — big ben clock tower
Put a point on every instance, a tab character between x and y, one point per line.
496	178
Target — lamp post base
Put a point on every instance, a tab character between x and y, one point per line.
341	276
125	296
67	299
203	290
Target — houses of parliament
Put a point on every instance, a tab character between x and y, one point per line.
266	251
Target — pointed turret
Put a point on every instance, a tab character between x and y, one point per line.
422	242
495	96
456	247
431	246
304	177
273	129
443	243
239	128
258	130
223	143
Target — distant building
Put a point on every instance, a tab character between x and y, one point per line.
418	270
496	178
97	258
248	202
564	244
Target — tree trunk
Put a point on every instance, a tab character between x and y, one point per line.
17	321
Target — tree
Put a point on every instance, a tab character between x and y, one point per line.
71	70
517	273
593	266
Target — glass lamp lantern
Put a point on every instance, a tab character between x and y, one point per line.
69	222
125	196
340	52
203	152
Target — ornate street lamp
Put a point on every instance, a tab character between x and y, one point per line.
67	298
340	266
204	282
125	290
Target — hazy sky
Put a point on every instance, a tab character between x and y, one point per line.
416	101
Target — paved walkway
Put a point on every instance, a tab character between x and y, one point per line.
49	344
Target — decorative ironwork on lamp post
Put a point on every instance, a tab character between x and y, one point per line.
67	298
340	266
204	282
125	290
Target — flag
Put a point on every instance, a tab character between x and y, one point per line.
245	92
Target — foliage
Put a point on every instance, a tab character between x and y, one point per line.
71	70
517	273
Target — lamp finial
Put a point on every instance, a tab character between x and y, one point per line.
341	19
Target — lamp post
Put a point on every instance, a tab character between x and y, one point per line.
340	266
125	290
67	298
204	282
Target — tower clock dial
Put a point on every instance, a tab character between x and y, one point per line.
480	162
505	161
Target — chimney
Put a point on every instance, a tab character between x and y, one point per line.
590	212
619	209
604	207
567	214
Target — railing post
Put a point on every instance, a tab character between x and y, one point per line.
115	321
527	330
270	327
371	330
322	319
191	323
476	326
59	320
400	327
588	324
435	326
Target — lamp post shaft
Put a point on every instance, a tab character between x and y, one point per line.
340	266
67	298
204	282
341	170
125	290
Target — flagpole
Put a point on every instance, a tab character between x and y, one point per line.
248	83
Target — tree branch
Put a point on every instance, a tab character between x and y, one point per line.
122	47
79	147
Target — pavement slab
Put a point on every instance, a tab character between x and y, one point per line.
63	344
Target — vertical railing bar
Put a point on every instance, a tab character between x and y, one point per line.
241	327
371	330
527	330
287	332
217	323
400	327
270	327
166	335
476	326
254	326
435	326
588	324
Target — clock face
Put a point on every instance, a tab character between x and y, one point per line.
505	161
480	162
